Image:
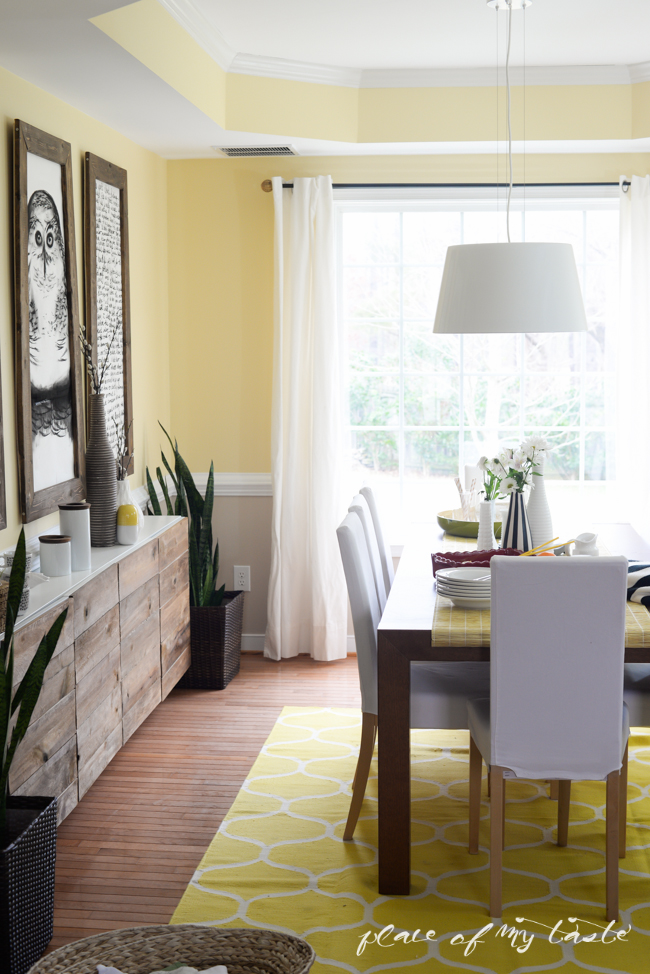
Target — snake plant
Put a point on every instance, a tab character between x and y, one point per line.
204	563
25	697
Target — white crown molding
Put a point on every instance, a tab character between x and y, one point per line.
579	74
316	74
639	72
201	30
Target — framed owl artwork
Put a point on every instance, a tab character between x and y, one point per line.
106	274
49	403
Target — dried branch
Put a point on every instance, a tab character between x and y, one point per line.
96	372
91	368
121	442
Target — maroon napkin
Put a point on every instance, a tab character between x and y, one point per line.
471	559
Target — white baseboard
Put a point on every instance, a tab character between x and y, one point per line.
253	642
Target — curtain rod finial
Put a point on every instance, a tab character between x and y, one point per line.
267	186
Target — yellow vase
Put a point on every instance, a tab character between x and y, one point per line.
127	524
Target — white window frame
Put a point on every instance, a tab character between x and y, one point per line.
445	198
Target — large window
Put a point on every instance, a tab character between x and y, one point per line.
421	406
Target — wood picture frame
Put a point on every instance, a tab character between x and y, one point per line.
3	494
49	401
106	273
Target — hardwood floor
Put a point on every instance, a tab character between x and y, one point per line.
127	851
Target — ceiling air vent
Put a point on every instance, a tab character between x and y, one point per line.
239	151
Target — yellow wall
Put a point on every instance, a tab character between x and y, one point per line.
221	280
147	188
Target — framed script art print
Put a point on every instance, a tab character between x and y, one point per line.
108	322
49	406
3	496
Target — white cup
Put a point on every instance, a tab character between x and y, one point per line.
585	544
74	520
56	554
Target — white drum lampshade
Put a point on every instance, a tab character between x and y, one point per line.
510	287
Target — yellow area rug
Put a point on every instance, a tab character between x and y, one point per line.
278	861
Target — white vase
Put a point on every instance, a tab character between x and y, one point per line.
486	540
537	509
129	515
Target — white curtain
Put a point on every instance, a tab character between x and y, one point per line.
307	603
633	347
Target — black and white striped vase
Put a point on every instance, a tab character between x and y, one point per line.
516	530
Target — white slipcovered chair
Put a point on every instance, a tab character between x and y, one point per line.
384	550
439	691
359	506
556	708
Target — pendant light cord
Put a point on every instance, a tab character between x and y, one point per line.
509	120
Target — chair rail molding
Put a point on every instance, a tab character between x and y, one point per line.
225	485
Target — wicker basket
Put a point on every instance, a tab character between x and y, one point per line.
27	883
216	644
141	950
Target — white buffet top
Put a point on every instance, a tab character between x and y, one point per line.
47	594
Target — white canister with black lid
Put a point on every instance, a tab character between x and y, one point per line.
55	554
74	520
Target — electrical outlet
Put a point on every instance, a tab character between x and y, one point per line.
242	578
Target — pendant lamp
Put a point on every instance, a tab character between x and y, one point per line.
510	287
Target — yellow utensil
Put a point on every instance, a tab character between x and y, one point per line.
551	548
540	547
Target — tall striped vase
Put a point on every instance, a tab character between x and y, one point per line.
516	530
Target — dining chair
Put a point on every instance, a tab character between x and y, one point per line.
636	676
384	549
439	691
636	693
556	707
359	506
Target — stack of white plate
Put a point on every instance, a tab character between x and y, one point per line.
467	588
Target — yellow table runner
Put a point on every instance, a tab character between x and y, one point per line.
471	627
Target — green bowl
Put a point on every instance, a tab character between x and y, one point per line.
463	529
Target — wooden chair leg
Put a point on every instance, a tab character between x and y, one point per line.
611	845
374	741
368	729
496	839
488	783
563	803
622	809
553	790
475	769
503	817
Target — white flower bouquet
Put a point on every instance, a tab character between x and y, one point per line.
512	470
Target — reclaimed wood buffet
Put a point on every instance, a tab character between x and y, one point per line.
125	644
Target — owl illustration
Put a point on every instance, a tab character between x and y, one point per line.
49	345
49	350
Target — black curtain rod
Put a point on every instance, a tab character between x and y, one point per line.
454	185
267	185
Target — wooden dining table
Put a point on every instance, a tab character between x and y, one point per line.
417	625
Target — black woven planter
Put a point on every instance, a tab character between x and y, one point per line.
27	882
216	644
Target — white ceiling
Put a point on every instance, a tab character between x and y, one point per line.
429	33
367	42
